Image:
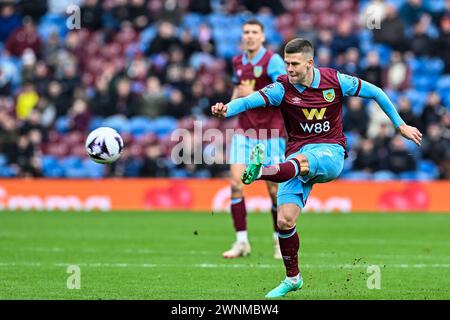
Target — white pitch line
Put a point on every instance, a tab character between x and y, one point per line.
215	265
143	251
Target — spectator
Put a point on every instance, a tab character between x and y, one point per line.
440	14
373	72
79	116
70	79
189	45
351	64
382	145
23	38
411	11
397	73
197	99
6	78
377	121
138	14
356	118
443	42
366	157
129	163
164	40
421	43
205	39
101	101
41	77
391	31
32	123
22	156
121	11
306	30
434	147
324	58
91	15
177	106
34	8
137	72
58	98
123	101
433	110
175	67
344	37
154	164
26	101
200	6
9	21
220	91
275	6
325	39
153	100
405	111
399	159
9	133
28	63
167	10
47	112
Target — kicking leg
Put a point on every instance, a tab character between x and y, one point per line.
280	172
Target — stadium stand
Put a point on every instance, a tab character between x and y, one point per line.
146	68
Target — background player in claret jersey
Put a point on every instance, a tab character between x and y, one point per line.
254	69
310	100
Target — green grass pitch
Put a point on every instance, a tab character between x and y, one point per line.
155	255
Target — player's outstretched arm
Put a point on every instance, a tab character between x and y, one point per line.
237	106
371	91
269	95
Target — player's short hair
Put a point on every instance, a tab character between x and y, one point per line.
254	22
299	45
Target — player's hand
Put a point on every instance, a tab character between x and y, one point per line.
219	109
244	90
411	133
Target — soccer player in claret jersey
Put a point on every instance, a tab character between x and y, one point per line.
254	69
310	100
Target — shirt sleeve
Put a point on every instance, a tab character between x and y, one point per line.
353	86
276	67
371	91
269	95
272	94
350	85
239	105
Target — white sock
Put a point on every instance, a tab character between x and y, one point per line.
242	236
294	279
260	173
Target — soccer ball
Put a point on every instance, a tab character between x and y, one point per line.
104	145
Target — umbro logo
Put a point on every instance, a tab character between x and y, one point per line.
296	100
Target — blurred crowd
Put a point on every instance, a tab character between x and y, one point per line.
147	67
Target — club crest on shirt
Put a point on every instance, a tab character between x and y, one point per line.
328	95
239	72
257	71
